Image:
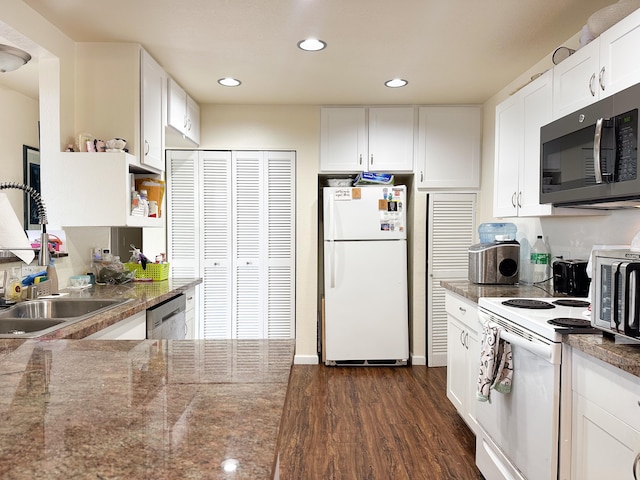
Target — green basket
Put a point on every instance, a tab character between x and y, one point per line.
156	271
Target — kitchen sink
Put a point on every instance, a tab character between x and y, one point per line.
57	308
34	318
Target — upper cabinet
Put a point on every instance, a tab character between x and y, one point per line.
152	78
127	103
449	147
356	139
517	153
601	68
183	117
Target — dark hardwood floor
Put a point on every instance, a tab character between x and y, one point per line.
373	423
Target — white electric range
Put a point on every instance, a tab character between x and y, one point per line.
519	431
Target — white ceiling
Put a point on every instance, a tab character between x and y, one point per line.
450	51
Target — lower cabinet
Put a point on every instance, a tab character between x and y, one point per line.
605	421
131	328
463	356
190	313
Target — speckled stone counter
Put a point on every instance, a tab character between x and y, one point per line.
149	409
139	296
625	357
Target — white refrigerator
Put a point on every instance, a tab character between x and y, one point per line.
365	276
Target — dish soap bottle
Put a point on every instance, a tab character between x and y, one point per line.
13	288
539	259
53	276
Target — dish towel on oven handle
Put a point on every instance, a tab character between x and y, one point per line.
496	363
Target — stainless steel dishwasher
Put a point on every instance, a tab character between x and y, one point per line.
167	320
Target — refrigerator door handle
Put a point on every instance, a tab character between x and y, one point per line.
332	225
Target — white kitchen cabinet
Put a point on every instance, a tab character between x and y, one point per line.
131	328
152	92
127	103
601	68
605	436
449	147
100	192
190	313
232	222
463	356
183	114
356	139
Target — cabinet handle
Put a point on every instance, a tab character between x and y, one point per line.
184	124
189	125
462	337
248	263
422	176
371	162
635	466
513	199
462	310
601	78
591	89
146	148
519	199
466	340
360	160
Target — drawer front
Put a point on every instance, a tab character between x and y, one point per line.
464	310
612	389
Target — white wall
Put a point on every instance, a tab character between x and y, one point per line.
242	127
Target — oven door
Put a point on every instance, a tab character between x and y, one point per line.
519	430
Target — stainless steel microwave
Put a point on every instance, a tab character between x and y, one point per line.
615	306
590	157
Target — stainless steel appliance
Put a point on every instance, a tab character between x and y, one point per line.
494	263
519	431
167	319
616	292
570	278
590	157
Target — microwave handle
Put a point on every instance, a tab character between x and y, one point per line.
615	295
597	160
630	324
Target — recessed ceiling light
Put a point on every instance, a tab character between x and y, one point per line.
229	82
312	45
396	82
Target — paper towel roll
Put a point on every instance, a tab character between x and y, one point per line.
12	234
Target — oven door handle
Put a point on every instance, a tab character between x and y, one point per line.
540	350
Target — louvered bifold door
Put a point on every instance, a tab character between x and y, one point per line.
450	233
280	244
249	274
216	262
183	226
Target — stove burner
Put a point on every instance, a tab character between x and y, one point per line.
568	302
570	322
528	303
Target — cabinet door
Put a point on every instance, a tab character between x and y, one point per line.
603	446
391	134
537	99
193	120
619	47
343	139
176	106
449	147
131	328
575	80
508	154
456	364
152	92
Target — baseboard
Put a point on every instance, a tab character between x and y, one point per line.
418	360
305	359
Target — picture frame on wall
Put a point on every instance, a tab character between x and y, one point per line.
31	162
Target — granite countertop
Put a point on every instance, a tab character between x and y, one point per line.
161	409
140	296
623	356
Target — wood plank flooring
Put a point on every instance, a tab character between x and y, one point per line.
373	423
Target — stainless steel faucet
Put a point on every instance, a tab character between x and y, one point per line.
44	257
